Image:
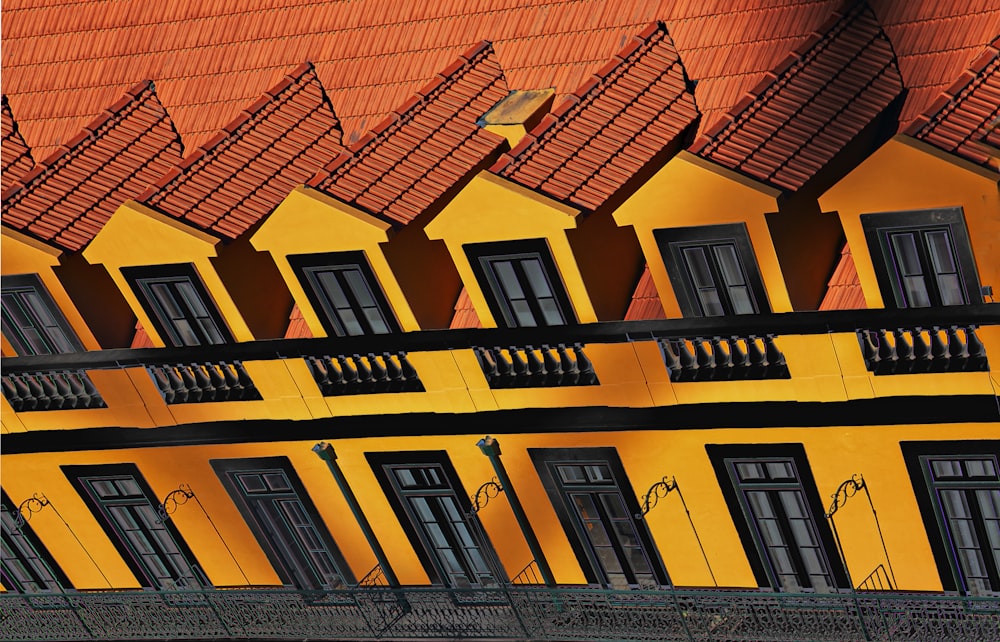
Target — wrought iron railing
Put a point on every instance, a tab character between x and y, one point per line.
203	382
911	350
528	367
512	612
52	390
356	374
723	358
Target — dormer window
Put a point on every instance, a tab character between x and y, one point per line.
344	293
31	320
713	270
923	259
178	305
521	283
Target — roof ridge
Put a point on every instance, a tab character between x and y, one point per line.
90	133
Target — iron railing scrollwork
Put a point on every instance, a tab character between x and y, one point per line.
51	390
364	374
529	367
203	382
913	350
721	358
847	489
512	613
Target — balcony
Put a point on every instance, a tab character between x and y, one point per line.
507	613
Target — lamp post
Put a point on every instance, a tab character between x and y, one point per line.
491	448
326	452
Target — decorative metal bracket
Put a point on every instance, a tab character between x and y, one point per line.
33	504
656	492
484	494
846	490
173	499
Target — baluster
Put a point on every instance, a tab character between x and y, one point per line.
505	369
217	381
958	352
320	374
587	374
939	351
392	371
553	371
176	384
689	367
488	363
758	360
776	365
364	372
204	383
24	393
536	370
921	351
236	390
350	374
738	358
90	393
249	390
670	358
336	375
904	351
886	354
409	373
722	360
519	366
569	367
977	352
187	376
61	381
706	364
11	393
37	393
162	383
49	391
868	349
379	375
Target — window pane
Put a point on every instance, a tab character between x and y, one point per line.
729	264
942	257
905	251
508	279
749	470
915	290
950	288
192	299
697	264
742	303
946	468
359	287
331	286
780	470
551	312
536	277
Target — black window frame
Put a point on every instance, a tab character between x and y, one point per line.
674	241
723	458
547	461
307	265
141	278
879	226
227	471
30	545
16	285
384	466
79	477
917	455
482	256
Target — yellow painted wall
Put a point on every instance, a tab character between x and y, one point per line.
139	236
907	175
292	229
834	455
25	255
492	209
689	191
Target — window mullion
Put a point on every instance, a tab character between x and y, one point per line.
985	546
789	537
530	296
721	286
353	302
930	274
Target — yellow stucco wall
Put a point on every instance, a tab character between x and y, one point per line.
907	175
690	191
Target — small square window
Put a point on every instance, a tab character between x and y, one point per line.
344	293
178	304
31	320
922	259
521	283
713	270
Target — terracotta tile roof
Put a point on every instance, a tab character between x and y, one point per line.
843	291
465	314
68	197
645	303
409	161
297	326
140	339
934	42
15	157
610	128
823	94
240	175
966	117
64	62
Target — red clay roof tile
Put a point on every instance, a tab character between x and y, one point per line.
297	326
245	170
68	197
844	288
645	303
15	157
420	152
964	120
789	130
614	124
465	313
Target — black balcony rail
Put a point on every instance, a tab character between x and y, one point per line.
722	358
909	350
507	613
528	367
203	382
356	374
758	325
50	390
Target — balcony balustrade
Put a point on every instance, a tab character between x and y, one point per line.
914	350
52	390
343	375
722	358
505	613
203	383
528	367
